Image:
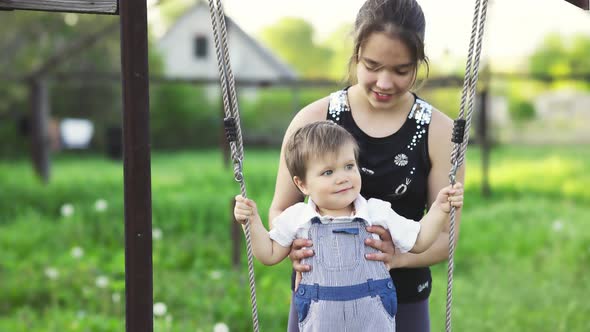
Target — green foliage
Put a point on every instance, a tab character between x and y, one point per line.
559	56
520	252
265	118
292	39
182	116
521	110
340	42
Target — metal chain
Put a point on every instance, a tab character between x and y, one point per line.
231	110
458	154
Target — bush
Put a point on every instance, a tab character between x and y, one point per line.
521	110
182	117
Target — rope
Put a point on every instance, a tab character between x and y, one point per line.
231	111
458	154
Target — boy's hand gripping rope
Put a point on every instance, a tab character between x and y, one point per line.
461	132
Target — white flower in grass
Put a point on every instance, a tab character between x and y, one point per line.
102	282
51	273
81	314
215	274
156	234
220	327
116	297
557	226
100	205
67	210
159	309
168	319
77	252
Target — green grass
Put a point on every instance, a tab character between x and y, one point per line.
522	262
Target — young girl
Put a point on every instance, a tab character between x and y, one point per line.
344	291
405	147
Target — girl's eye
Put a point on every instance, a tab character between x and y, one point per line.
328	172
370	68
350	166
402	73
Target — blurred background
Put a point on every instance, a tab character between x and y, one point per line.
523	258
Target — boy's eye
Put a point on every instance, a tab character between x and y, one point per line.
402	72
328	172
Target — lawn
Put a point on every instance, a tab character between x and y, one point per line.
522	262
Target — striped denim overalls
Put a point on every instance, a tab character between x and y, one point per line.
344	292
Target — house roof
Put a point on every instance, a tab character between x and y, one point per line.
284	70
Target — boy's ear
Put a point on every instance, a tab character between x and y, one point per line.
300	184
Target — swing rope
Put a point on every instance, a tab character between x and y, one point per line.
461	132
232	128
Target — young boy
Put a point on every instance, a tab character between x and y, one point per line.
343	291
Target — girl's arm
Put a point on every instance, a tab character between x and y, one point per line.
267	251
440	148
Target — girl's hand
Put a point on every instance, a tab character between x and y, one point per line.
450	196
244	209
388	253
298	252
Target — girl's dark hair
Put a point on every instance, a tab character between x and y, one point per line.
403	19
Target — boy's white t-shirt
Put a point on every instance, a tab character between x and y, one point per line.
295	222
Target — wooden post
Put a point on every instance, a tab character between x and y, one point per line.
137	173
484	142
39	120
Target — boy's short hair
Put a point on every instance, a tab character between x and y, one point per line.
315	140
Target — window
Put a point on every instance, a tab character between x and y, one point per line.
200	47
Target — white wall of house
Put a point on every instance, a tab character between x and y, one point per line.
249	60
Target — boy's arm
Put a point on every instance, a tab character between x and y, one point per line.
264	248
433	222
267	251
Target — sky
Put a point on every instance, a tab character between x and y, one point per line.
513	27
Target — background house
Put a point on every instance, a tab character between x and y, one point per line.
188	51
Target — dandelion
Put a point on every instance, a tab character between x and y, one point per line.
557	225
51	273
102	282
159	309
77	252
156	234
71	19
220	327
100	205
116	297
215	274
67	210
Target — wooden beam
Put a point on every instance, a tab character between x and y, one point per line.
137	173
73	6
584	4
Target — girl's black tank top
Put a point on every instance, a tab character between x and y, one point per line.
395	169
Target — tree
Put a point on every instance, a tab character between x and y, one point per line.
340	42
292	39
558	56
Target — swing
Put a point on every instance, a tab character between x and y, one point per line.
460	135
